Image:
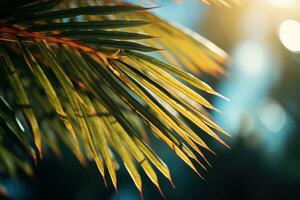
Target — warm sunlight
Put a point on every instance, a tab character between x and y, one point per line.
289	32
282	3
128	99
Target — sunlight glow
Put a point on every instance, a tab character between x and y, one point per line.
282	3
250	58
289	33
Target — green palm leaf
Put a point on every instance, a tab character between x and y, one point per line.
81	71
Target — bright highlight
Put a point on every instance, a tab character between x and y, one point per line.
289	34
282	3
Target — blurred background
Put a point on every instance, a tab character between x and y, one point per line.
263	116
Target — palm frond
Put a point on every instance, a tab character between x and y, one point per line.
79	73
227	3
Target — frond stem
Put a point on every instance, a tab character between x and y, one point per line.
56	40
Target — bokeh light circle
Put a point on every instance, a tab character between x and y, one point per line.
289	34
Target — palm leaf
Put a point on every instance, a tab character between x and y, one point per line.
82	71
